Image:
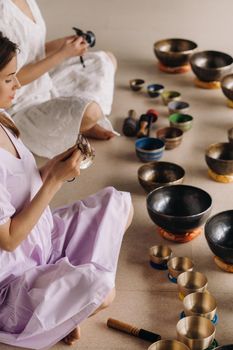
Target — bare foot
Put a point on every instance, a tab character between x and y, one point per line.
99	133
73	337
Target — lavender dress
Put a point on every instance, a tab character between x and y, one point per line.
65	267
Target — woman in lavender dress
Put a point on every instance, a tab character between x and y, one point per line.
57	268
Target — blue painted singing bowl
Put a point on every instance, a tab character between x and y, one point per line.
149	149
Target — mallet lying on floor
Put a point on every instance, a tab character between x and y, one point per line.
132	330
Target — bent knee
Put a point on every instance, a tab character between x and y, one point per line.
109	299
91	116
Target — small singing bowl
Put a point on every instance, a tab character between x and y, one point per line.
149	149
136	84
154	90
219	235
179	208
157	174
196	332
160	254
181	121
211	65
178	107
167	344
200	304
174	52
219	158
178	265
191	281
230	135
227	86
171	136
169	95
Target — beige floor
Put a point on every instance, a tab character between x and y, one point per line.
145	297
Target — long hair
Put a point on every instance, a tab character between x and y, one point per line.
8	50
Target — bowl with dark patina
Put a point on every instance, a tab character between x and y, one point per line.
211	65
179	208
227	86
219	235
219	158
174	52
171	136
230	135
178	107
157	174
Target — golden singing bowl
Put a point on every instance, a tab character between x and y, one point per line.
160	254
196	332
200	304
179	264
191	281
168	345
227	86
219	158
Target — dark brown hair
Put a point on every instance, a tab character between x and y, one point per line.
8	50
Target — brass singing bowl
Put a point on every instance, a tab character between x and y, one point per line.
219	158
227	86
179	264
200	304
174	52
160	254
191	281
168	345
196	332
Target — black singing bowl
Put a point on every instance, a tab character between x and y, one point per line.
211	65
227	86
219	235
219	158
174	52
179	208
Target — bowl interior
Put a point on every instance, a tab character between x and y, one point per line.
227	82
149	144
195	327
168	344
211	59
180	118
199	303
219	229
169	133
173	105
192	280
161	172
175	45
220	151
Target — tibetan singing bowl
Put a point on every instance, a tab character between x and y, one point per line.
174	52
178	107
178	265
171	136
219	158
160	254
191	281
156	174
200	304
196	332
219	235
211	65
227	86
168	345
179	208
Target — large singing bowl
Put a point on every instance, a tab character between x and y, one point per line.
219	235
219	158
211	65
227	86
179	208
174	52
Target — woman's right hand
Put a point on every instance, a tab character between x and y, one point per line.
73	46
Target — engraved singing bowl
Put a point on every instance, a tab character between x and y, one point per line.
227	86
219	158
211	65
179	208
174	52
200	304
178	265
219	235
160	254
168	345
191	281
156	174
196	332
171	136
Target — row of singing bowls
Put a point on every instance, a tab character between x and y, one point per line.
157	174
219	158
200	304
219	235
174	52
179	208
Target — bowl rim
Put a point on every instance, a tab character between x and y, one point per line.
180	114
140	169
194	55
181	216
225	78
170	138
207	223
161	148
157	43
187	105
203	319
218	159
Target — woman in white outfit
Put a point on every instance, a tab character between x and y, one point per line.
59	97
